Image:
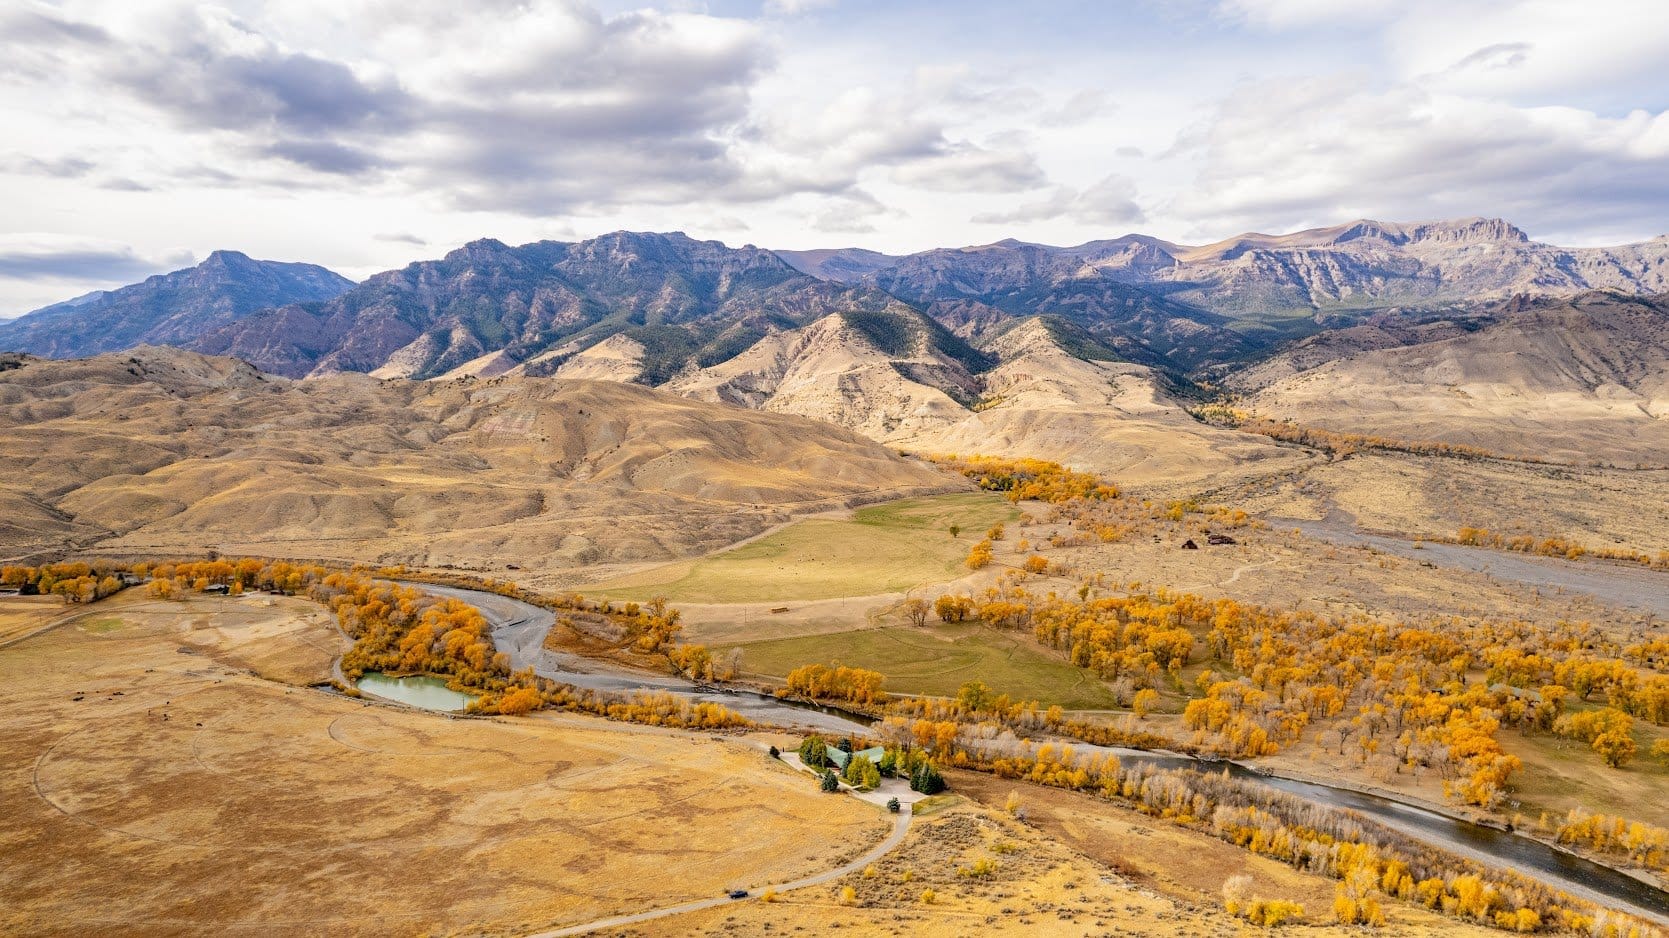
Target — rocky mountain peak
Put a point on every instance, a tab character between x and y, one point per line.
1469	231
226	258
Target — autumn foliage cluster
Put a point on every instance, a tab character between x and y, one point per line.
837	684
1028	479
74	582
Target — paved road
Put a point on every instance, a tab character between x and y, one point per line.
899	828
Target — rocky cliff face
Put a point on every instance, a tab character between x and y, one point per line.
169	309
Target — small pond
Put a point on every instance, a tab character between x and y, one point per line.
429	693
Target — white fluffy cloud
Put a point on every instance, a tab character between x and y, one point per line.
1109	202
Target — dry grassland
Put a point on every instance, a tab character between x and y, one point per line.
21	616
154	785
1434	496
1075	867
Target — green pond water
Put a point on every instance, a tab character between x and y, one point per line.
429	693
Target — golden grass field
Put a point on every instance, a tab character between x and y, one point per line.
21	616
883	548
936	661
155	785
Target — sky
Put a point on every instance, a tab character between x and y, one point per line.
141	135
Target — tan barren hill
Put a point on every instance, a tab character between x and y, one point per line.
160	450
1579	380
1114	418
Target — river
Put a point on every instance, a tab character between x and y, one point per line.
519	630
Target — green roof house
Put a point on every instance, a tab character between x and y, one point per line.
839	757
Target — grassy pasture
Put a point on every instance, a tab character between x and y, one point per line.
1560	774
937	661
881	549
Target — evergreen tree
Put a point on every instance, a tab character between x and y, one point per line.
927	780
830	783
814	752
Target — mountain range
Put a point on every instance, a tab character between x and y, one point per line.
168	309
955	347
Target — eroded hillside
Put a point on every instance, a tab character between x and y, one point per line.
160	450
1576	381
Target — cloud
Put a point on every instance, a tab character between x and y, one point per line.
34	257
535	109
124	184
63	167
968	168
1110	201
399	237
209	70
325	156
796	7
1083	106
1295	153
1497	55
1291	14
42	24
854	213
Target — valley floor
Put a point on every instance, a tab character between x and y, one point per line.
170	773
